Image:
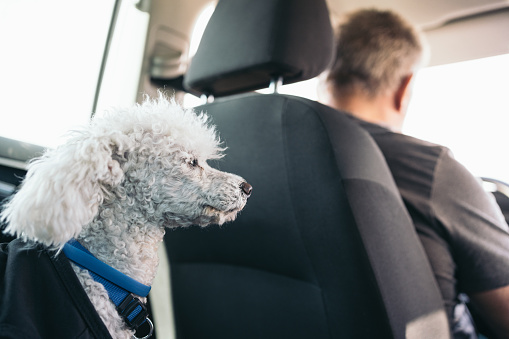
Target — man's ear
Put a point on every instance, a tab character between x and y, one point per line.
402	94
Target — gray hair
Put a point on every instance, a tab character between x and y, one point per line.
375	50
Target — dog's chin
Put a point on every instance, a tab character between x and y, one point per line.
209	215
212	215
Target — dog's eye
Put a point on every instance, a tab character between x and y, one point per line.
194	162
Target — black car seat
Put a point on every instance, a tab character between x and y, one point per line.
500	191
14	155
324	247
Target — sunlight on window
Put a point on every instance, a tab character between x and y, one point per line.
305	89
50	73
465	106
121	77
199	27
190	100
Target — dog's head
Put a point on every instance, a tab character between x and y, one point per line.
149	161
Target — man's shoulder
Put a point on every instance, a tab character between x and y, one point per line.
404	144
396	145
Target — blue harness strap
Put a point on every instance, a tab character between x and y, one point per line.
119	286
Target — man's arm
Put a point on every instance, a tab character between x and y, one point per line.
479	240
493	307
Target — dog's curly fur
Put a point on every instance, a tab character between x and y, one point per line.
117	183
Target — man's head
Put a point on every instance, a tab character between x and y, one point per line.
377	52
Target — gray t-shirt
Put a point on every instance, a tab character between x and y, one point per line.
460	226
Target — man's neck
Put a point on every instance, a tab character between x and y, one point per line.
378	110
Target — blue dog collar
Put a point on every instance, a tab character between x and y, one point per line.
119	286
81	256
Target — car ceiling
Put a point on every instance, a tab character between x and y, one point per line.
456	30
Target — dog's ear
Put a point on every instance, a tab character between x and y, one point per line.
63	188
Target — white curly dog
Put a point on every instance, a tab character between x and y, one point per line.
118	183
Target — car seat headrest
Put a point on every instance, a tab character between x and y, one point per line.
248	43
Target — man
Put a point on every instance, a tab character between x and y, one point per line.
460	226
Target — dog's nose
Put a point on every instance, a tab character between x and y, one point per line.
246	188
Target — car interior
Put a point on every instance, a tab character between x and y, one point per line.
325	247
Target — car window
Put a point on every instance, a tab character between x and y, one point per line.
50	64
465	106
